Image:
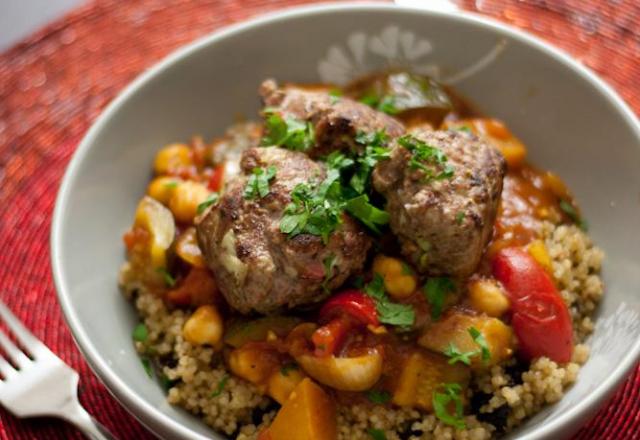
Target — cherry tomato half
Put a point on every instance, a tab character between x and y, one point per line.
354	303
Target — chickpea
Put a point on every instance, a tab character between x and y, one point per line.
185	200
399	280
204	327
487	296
162	188
172	156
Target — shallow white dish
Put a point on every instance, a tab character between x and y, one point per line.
571	121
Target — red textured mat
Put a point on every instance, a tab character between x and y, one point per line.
55	83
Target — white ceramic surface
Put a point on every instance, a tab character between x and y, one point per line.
571	121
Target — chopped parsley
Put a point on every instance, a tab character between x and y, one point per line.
480	340
436	289
430	160
328	263
386	103
169	280
456	355
452	392
146	364
220	387
140	333
171	185
258	183
460	217
572	213
167	383
374	151
363	210
389	312
288	367
376	434
287	132
211	200
379	397
334	96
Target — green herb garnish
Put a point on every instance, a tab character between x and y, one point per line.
258	182
171	185
436	291
376	434
430	160
460	217
328	263
140	333
372	217
220	386
379	397
457	356
480	340
289	132
211	200
389	312
288	367
146	364
169	280
452	393
572	213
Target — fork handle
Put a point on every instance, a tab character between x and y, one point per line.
88	425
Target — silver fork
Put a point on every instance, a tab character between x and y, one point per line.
37	383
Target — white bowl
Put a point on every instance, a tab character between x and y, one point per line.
572	122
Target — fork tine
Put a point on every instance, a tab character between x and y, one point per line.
15	355
6	369
24	336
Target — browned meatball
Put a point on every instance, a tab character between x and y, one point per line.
257	267
442	216
335	120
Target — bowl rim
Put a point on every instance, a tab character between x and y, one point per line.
151	416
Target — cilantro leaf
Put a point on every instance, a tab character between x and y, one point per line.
211	200
287	132
457	356
146	364
452	393
220	387
436	290
391	313
430	160
169	280
480	340
140	333
258	182
572	213
376	434
379	397
369	215
329	263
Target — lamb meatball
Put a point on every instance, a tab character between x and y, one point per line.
335	120
442	208
259	268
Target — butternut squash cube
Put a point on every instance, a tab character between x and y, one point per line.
453	329
308	414
421	375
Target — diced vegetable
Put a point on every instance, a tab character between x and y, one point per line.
161	188
172	157
188	250
329	338
242	332
185	200
197	288
347	374
308	414
204	327
254	363
157	220
538	251
487	296
540	320
453	331
216	181
353	303
283	382
399	279
421	375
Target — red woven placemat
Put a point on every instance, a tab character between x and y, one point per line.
55	83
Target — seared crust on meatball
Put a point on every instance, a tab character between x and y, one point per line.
443	224
256	266
336	120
